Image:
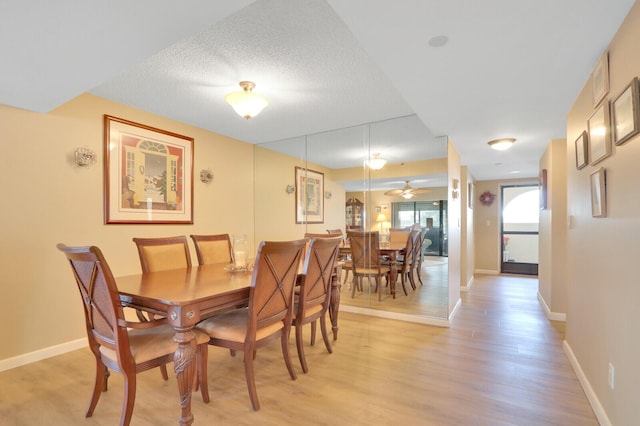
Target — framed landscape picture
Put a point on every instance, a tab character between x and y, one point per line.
148	174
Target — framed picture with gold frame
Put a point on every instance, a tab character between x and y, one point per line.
582	153
309	196
598	193
599	129
148	174
625	113
600	79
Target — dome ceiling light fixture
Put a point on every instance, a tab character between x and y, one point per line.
375	162
501	144
247	103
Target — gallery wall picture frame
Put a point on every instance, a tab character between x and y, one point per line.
600	79
599	128
471	194
309	196
624	110
598	182
582	150
148	174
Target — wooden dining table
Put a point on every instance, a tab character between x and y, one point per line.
185	297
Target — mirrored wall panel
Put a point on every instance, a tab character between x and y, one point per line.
388	177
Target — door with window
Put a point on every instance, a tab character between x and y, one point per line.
519	229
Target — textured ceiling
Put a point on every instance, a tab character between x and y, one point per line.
509	69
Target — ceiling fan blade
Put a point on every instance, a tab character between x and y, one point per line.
394	192
417	191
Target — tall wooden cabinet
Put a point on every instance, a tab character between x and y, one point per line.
354	213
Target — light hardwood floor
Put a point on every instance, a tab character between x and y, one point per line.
500	363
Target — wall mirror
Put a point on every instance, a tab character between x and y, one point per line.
414	157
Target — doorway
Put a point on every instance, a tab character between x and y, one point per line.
519	229
431	216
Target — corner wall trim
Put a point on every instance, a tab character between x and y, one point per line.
553	316
467	287
597	407
455	309
40	354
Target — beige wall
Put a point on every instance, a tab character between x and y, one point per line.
47	200
467	240
552	243
604	303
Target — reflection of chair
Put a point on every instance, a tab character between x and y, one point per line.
406	264
365	255
398	235
418	255
346	259
315	291
161	254
213	248
270	309
116	343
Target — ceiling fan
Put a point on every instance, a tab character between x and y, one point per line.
407	191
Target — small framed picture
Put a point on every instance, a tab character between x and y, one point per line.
542	187
600	79
625	113
598	193
582	155
599	134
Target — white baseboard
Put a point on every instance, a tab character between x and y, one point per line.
455	309
39	355
465	288
487	271
553	316
597	407
420	319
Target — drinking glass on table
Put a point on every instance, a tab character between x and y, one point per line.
240	251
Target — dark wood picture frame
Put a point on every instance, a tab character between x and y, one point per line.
624	112
148	174
582	150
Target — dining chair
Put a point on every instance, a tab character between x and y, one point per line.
418	255
213	248
161	254
406	263
315	291
117	344
270	311
344	258
164	253
365	255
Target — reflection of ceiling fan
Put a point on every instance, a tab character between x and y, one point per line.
407	191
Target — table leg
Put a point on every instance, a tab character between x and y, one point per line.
393	275
334	304
184	362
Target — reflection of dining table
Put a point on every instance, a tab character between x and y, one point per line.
187	296
390	251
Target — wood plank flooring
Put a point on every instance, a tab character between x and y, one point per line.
500	363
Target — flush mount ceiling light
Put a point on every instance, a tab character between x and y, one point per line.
501	144
247	103
375	162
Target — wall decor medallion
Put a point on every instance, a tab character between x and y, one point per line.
486	198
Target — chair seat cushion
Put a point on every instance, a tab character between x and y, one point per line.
150	343
373	271
232	326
